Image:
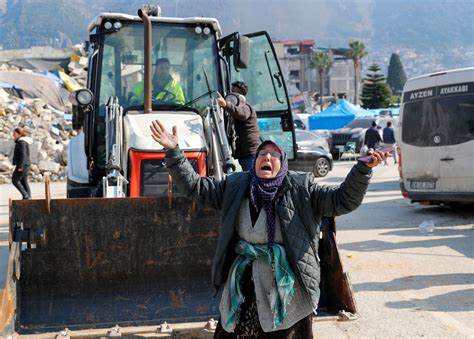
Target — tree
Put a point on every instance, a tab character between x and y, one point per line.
375	93
356	52
396	77
322	63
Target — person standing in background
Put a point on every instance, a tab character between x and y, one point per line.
389	140
246	126
21	160
372	137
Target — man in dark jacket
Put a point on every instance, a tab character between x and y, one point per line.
246	126
292	206
389	140
372	137
21	160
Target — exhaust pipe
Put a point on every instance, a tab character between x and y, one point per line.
147	81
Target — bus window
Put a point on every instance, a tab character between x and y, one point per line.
451	118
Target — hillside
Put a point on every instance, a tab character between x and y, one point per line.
422	27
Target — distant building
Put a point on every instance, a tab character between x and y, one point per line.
295	58
339	82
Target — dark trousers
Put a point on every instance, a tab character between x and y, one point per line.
247	162
303	329
20	181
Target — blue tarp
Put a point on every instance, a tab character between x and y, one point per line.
336	116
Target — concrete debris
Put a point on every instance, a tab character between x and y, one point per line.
49	166
6	146
75	68
49	127
83	62
5	165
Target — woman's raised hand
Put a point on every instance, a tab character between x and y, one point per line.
162	136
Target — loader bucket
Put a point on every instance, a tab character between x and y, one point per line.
102	262
96	263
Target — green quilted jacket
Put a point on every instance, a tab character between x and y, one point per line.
300	205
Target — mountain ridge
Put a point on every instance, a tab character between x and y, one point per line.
422	27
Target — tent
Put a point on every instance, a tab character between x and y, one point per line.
336	116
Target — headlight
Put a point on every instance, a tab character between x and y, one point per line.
355	135
82	96
107	25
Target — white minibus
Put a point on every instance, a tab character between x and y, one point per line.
436	138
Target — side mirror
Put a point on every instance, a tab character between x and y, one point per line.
241	52
237	47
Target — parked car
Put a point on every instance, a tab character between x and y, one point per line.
383	112
355	132
299	124
307	140
312	154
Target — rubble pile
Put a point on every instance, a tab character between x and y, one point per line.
78	67
49	130
49	125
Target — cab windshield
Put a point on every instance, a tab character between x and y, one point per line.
185	58
360	123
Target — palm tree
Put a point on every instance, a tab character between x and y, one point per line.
356	52
322	63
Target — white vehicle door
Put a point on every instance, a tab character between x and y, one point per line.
419	150
456	132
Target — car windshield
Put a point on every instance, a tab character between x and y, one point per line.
298	123
190	60
305	136
360	123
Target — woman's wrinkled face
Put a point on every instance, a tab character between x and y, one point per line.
268	162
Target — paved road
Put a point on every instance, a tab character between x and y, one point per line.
407	284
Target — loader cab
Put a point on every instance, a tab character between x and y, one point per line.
200	63
117	69
191	54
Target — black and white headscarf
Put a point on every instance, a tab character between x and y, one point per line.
263	191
